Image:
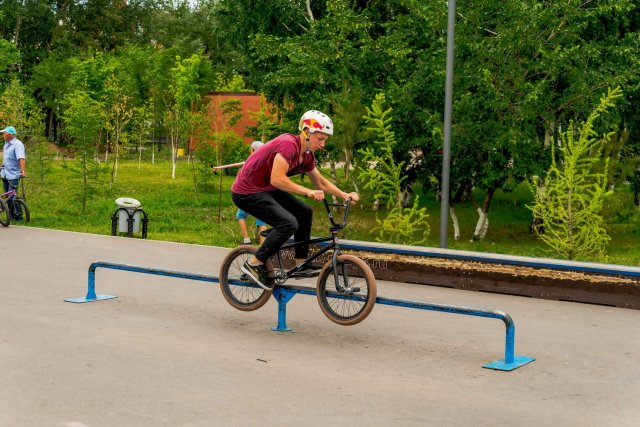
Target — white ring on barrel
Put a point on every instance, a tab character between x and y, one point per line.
127	202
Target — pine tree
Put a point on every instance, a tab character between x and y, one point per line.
571	199
383	174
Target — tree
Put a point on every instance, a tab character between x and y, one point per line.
570	201
119	110
383	175
191	78
268	126
349	112
12	106
9	60
83	120
141	128
40	157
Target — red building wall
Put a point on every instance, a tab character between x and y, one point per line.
249	102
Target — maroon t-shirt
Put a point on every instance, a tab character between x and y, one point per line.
255	175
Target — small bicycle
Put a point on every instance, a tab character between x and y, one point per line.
346	286
8	206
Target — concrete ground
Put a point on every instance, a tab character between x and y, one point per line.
172	352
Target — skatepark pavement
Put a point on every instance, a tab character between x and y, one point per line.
172	352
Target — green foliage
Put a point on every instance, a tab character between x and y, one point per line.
267	124
570	199
9	58
235	84
12	106
229	148
84	118
408	226
379	171
349	112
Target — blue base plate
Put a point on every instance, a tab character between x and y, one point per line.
84	299
518	361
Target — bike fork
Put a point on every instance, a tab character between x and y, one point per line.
336	275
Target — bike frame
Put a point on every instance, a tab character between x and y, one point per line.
9	193
334	245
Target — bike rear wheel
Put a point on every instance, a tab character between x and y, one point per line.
351	299
5	215
26	214
237	288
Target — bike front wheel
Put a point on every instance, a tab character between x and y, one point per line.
5	215
22	205
351	299
236	286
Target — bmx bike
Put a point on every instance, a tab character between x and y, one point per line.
345	289
10	202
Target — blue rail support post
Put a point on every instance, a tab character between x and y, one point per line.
283	296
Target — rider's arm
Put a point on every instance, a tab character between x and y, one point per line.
281	181
23	167
322	183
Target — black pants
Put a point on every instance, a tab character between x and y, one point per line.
287	214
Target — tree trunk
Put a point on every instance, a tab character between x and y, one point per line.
482	226
347	164
456	224
405	198
309	10
173	157
334	178
116	162
106	150
548	133
140	147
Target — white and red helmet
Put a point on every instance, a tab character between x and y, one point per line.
316	121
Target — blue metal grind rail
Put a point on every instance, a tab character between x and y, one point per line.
283	295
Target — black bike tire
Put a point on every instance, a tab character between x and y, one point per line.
26	213
244	298
5	214
363	271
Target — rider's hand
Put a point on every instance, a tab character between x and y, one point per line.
317	195
354	197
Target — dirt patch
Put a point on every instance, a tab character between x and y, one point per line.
513	270
563	285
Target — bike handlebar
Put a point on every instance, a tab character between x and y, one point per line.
345	206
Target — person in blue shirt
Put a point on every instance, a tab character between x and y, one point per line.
14	165
241	215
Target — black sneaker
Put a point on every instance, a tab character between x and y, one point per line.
258	274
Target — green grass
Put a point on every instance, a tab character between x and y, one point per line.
178	213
